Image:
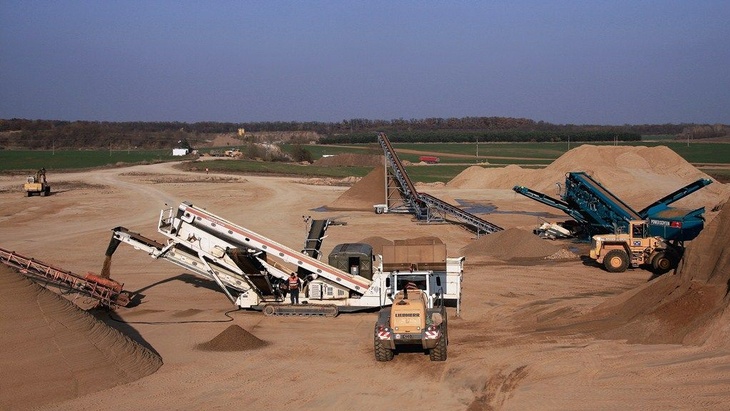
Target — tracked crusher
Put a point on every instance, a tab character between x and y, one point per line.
598	211
253	270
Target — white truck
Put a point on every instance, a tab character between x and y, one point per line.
252	270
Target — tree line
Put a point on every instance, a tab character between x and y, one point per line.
47	134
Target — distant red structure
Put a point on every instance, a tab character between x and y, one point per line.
429	159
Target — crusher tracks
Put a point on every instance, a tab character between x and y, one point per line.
302	310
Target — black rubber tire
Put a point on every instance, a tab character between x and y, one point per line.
269	310
616	261
664	262
382	353
439	352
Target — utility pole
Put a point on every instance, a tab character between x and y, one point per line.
477	149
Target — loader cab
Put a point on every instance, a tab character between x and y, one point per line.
639	229
416	280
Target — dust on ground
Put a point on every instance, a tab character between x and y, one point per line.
534	333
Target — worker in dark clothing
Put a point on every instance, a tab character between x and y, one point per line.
294	283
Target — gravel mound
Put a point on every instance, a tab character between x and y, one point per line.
637	175
233	338
510	244
689	307
363	194
54	351
377	243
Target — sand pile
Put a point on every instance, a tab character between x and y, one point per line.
500	178
55	352
377	243
233	338
637	175
510	244
363	194
690	307
351	159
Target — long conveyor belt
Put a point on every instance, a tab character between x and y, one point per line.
423	205
108	292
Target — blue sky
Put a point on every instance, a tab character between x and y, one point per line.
578	62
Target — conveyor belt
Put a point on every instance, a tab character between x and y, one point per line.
605	196
108	292
423	205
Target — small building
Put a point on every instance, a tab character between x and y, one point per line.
180	151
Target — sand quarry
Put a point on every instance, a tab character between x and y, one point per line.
540	328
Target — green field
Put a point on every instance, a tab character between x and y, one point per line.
496	154
32	160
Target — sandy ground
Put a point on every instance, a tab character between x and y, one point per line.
499	355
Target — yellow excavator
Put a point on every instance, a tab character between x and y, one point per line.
37	184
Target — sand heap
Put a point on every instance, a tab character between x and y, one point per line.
637	175
351	160
510	244
363	194
55	352
233	338
377	243
690	307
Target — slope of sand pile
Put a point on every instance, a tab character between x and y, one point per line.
233	338
351	159
637	175
690	307
55	352
377	243
510	244
363	194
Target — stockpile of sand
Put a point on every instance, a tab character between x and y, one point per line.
637	175
363	194
377	243
351	159
52	351
690	307
233	338
492	177
510	244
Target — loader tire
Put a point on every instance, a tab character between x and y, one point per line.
382	353
616	261
663	262
438	353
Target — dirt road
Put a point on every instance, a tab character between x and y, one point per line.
500	357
